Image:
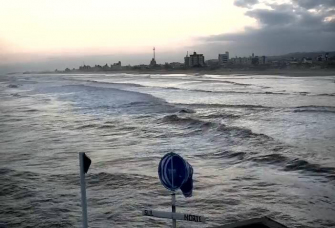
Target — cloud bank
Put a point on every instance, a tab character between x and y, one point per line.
293	26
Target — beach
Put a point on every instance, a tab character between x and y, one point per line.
294	72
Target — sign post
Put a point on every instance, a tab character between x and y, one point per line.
173	196
174	221
84	163
175	173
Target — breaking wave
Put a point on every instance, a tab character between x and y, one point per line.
12	86
231	131
87	126
283	162
193	90
202	105
326	94
220	116
175	119
296	164
227	91
327	109
223	154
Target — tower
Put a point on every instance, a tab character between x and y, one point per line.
187	61
153	61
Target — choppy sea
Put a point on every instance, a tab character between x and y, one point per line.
259	146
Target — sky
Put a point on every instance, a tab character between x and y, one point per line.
48	34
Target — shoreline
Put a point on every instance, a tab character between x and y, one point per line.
232	72
272	72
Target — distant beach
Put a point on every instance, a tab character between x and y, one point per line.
223	71
238	72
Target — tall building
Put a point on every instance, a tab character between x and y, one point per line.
153	60
241	60
196	60
263	60
187	60
255	60
223	58
116	66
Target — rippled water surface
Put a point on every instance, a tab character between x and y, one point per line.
259	145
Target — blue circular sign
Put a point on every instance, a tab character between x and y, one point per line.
173	171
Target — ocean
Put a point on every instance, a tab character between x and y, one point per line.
259	146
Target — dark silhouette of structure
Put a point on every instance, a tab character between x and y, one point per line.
195	60
153	60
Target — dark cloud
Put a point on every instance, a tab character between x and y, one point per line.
269	17
284	28
313	4
245	3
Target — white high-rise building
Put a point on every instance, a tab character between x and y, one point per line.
223	58
195	60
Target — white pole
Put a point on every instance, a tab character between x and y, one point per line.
174	221
83	189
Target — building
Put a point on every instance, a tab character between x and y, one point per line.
241	60
153	60
251	60
212	62
140	67
307	60
223	58
176	65
196	60
263	60
85	68
116	66
105	67
187	61
255	60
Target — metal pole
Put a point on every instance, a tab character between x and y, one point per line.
174	221
83	189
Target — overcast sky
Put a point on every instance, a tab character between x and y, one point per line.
45	34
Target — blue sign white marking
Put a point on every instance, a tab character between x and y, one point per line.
174	173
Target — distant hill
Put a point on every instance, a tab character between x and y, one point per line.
300	55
